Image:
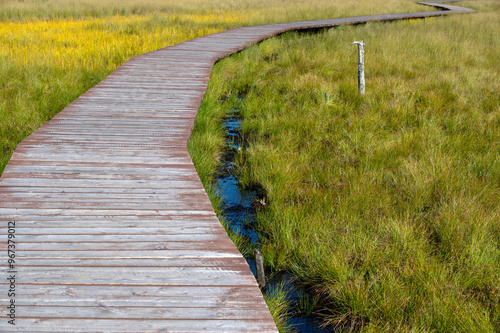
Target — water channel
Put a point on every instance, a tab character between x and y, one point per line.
238	211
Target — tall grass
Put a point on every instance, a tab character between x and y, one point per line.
256	11
385	205
53	51
45	65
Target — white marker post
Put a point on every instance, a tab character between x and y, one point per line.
361	67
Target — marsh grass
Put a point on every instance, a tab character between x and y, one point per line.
256	11
384	205
53	51
45	65
278	302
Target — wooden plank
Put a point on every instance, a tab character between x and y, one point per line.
140	313
175	232
14	214
132	262
127	218
180	170
139	292
127	197
124	184
83	191
35	325
118	253
118	238
166	276
189	302
125	224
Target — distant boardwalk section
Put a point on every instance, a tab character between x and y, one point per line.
106	226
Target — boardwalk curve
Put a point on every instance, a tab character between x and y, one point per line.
113	229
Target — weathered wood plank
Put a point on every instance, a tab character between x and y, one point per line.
125	254
101	311
237	275
139	292
175	230
35	325
122	238
132	262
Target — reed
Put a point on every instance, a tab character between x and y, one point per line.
53	51
386	206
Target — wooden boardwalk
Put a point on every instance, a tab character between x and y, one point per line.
113	229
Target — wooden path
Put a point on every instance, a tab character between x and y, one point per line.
113	229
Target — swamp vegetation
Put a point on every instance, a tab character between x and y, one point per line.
51	52
384	207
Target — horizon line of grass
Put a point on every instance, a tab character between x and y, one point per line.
255	11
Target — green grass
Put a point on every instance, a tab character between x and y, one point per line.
34	85
277	300
384	205
256	11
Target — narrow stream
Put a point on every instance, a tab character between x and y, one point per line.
238	210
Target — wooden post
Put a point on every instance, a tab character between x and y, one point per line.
259	263
361	67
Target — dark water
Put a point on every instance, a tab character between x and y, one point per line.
238	208
236	203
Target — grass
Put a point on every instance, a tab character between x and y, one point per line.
256	11
53	51
45	65
277	300
384	205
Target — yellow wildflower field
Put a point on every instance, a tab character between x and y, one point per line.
101	43
45	64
